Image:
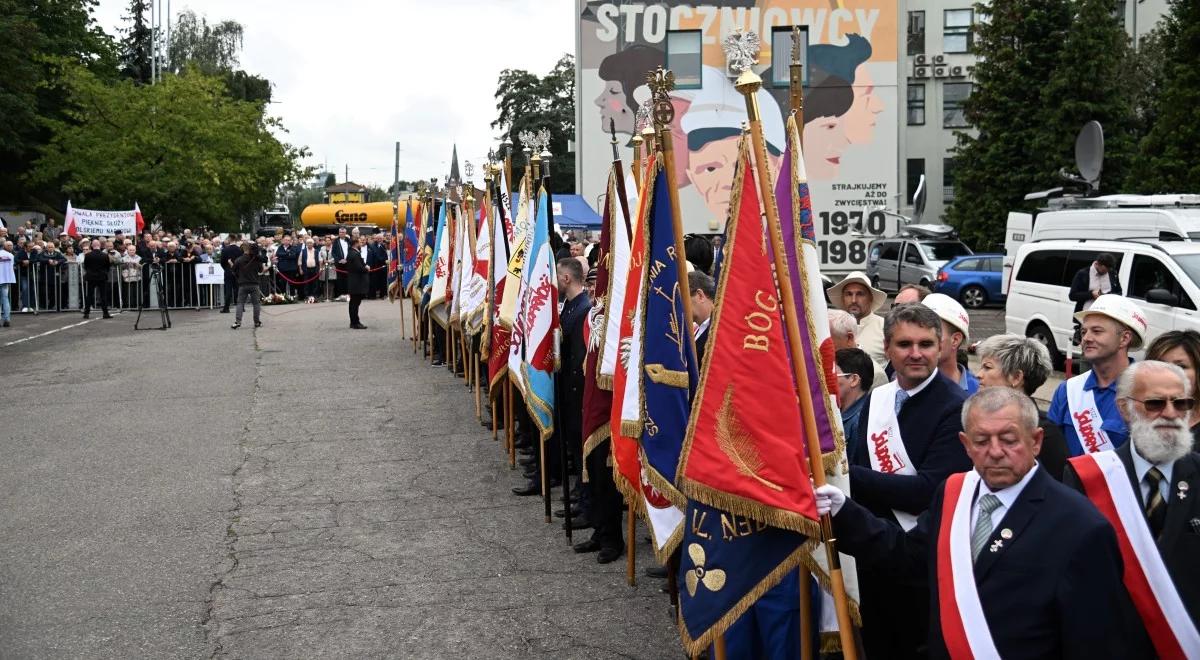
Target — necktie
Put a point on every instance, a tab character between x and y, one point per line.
983	524
1156	508
901	397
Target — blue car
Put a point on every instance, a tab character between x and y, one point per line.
973	280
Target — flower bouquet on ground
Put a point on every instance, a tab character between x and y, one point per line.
278	299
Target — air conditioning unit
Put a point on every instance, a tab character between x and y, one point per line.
920	61
921	72
956	71
939	59
939	72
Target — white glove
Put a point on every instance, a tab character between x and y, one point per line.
829	499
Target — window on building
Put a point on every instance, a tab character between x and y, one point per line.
956	30
915	168
916	104
781	55
916	33
948	180
683	57
953	97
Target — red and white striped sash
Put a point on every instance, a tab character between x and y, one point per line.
1106	484
964	628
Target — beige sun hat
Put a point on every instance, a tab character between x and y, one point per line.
857	277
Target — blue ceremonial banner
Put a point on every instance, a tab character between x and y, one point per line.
728	563
409	262
538	317
668	357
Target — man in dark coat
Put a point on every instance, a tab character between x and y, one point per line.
229	254
340	252
287	263
1162	470
1045	565
906	444
377	259
357	280
95	279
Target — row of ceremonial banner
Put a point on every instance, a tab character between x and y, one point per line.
719	461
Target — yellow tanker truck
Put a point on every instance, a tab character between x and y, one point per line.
368	217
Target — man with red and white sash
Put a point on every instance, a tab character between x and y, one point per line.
1017	565
1144	490
905	445
1086	406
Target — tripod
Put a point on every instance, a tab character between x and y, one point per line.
156	281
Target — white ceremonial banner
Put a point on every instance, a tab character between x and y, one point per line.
90	222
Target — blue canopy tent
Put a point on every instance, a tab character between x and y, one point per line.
570	212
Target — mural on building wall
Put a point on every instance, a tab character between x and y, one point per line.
850	104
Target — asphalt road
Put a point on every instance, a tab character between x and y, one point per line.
298	491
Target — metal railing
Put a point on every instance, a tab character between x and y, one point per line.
44	287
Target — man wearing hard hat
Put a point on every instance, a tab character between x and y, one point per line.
855	295
1086	406
955	330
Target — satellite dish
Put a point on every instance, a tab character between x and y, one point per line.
1089	153
918	201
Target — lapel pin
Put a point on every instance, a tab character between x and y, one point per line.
1183	490
996	545
1195	525
1006	533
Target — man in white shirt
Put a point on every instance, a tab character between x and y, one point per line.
855	295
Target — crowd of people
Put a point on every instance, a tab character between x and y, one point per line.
52	271
1051	579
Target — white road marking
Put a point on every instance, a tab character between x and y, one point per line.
50	332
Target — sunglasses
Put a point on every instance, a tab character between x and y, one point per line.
1158	405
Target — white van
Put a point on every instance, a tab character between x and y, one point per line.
1114	217
1161	276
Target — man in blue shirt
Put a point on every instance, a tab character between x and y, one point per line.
1086	406
855	377
956	325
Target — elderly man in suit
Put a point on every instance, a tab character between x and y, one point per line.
905	445
1017	564
357	280
1144	488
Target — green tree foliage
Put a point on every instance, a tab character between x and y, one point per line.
37	37
1088	83
136	45
214	50
527	102
1019	44
1168	159
182	148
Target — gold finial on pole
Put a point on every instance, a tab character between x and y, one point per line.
796	74
741	50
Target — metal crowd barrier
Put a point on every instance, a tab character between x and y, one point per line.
43	287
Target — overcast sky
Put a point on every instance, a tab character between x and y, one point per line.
354	76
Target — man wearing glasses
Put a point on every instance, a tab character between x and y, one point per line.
1086	406
1144	489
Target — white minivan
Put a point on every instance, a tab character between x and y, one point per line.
1113	217
1160	276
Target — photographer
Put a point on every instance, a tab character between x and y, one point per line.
248	268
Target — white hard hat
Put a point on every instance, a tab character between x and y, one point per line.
1121	310
950	311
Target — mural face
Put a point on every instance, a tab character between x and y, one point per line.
850	104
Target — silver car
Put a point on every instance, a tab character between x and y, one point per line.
895	262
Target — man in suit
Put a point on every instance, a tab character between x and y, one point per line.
704	297
905	445
377	259
230	252
1016	563
356	280
95	278
1160	467
341	251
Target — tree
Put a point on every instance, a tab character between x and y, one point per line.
1168	157
1088	83
182	149
1018	43
136	46
526	102
214	50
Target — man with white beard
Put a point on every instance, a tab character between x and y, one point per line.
1144	489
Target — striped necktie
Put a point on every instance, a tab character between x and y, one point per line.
1156	508
983	524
